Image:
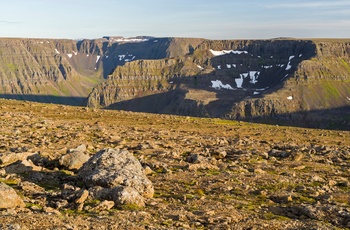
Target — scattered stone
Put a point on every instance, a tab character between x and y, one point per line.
22	167
12	157
9	198
74	160
104	205
81	196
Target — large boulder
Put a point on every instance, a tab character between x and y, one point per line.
120	174
9	198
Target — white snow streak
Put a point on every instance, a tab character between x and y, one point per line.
289	66
239	81
290	98
223	52
218	85
200	67
98	58
57	51
70	55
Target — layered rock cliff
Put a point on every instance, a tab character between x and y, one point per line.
292	80
288	79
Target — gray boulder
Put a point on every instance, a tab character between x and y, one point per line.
120	174
9	198
74	160
127	196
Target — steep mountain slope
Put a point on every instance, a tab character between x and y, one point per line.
307	81
65	71
291	80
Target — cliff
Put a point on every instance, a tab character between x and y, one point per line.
295	81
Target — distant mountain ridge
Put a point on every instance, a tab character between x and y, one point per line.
291	80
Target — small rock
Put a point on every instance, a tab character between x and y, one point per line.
81	196
104	205
259	171
74	160
9	198
148	170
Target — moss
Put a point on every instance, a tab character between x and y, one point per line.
130	207
271	216
9	181
345	64
29	205
331	90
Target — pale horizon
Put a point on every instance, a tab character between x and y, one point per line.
222	19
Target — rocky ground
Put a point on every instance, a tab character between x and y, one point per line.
206	173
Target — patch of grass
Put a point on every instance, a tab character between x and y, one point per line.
29	205
9	182
305	199
332	92
130	207
345	64
271	216
92	202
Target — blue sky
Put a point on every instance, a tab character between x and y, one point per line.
219	19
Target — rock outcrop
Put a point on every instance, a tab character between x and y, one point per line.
120	174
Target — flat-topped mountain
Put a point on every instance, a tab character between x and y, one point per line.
286	79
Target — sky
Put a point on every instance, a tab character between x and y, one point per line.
219	19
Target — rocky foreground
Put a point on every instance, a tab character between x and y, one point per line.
59	168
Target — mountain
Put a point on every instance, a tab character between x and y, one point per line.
297	82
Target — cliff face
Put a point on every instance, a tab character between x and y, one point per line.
291	80
316	94
62	70
40	68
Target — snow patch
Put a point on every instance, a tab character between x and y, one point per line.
75	53
284	77
245	75
219	67
290	98
121	57
70	55
254	75
228	66
256	93
218	85
200	67
57	51
348	98
262	89
130	40
300	55
239	81
289	66
223	52
98	58
107	56
234	65
267	66
155	41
